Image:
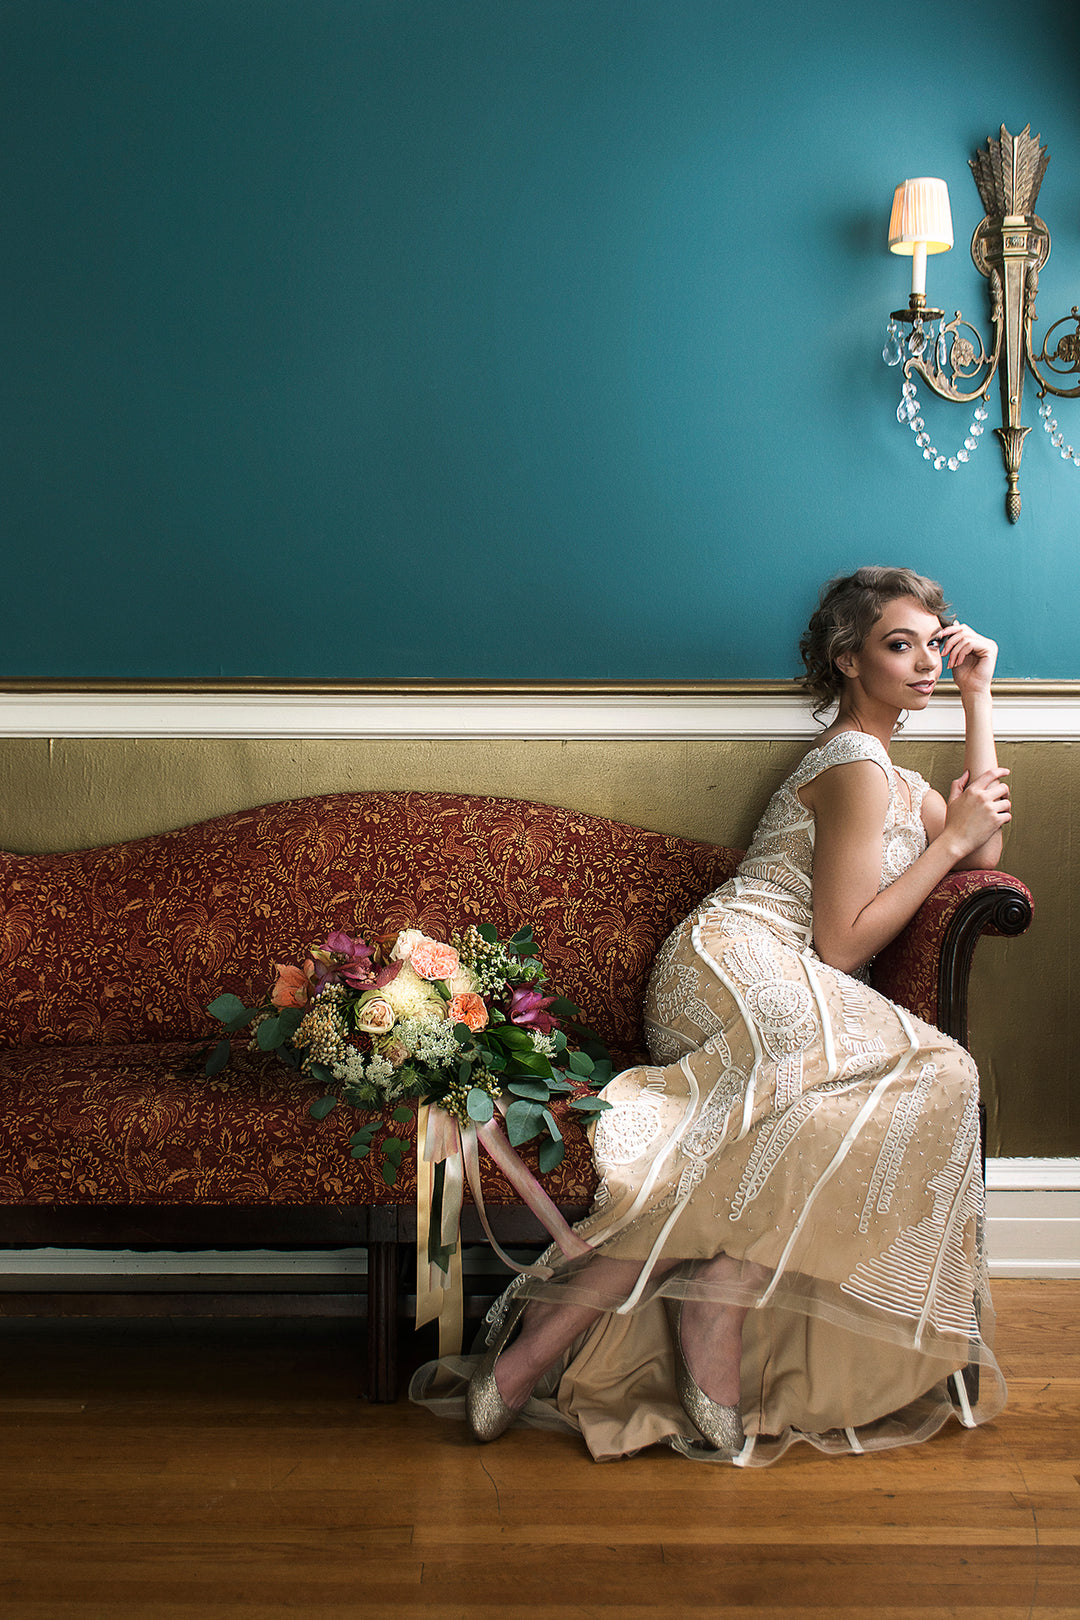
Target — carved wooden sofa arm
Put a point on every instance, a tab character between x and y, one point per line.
927	967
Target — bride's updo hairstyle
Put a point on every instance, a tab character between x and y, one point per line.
850	607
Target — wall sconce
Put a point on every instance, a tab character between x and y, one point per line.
1009	247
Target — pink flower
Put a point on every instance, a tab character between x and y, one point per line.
529	1008
468	1009
431	959
294	985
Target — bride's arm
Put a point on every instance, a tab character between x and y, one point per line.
972	659
852	921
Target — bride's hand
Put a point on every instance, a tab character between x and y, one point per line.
977	809
971	658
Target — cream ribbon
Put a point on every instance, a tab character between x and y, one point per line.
442	1140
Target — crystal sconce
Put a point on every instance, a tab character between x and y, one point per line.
1009	247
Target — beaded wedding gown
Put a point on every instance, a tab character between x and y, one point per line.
822	1138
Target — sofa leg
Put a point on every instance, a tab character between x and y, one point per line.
382	1368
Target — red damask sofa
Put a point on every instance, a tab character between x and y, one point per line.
110	1133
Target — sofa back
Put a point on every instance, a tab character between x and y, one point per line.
130	943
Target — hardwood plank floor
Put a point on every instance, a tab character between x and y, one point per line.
226	1470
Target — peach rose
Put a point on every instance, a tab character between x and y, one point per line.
468	1009
431	959
375	1017
293	987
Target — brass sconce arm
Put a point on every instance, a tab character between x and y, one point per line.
1066	349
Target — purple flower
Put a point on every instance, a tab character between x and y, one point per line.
529	1008
342	957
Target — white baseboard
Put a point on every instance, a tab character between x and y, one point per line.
1033	1217
1033	1230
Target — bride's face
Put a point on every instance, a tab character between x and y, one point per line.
899	664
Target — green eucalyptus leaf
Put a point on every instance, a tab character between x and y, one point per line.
479	1106
218	1057
580	1063
389	1172
322	1107
360	1152
269	1035
231	1010
589	1105
549	1155
553	1129
487	932
402	1115
535	1090
524	1120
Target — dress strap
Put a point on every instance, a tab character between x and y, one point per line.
843	749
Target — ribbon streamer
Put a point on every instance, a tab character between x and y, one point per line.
442	1141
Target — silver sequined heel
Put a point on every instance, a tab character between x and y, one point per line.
489	1416
720	1426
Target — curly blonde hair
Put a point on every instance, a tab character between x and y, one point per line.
848	609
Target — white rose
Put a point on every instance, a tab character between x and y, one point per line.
375	1017
403	945
464	983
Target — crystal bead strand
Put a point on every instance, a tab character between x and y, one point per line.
1056	437
907	414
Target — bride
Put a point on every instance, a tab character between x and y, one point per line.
786	1239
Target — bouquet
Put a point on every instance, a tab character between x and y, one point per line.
460	1033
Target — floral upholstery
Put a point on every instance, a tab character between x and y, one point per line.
109	957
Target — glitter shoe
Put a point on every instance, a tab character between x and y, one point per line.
489	1416
720	1426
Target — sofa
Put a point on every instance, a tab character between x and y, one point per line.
112	1135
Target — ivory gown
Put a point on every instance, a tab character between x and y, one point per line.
799	1122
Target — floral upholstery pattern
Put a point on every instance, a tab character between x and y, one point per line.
109	957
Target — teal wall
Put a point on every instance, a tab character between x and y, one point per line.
504	338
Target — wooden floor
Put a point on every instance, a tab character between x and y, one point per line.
226	1471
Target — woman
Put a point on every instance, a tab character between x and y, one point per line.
786	1238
